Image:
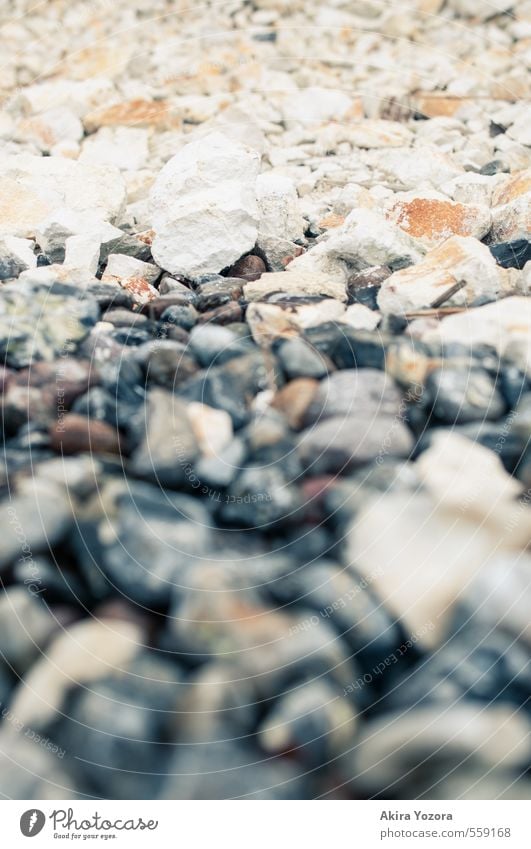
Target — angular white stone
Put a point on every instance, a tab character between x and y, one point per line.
204	210
35	187
294	283
82	252
458	258
21	250
280	223
366	238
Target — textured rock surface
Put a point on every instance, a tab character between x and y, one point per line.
204	209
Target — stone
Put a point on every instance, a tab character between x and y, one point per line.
431	218
511	208
212	428
411	169
249	267
35	187
168	442
164	533
294	283
512	254
42	322
363	286
457	259
16	256
360	317
133	275
80	655
505	325
180	315
230	386
26	625
298	359
204	192
519	130
311	722
33	520
280	222
137	112
125	148
294	399
340	443
463	395
49	128
76	434
268	322
83	252
393	751
365	239
213	344
362	392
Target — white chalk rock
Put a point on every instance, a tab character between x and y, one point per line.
83	252
281	223
365	239
34	187
361	317
204	209
458	258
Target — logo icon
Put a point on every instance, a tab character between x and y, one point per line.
32	822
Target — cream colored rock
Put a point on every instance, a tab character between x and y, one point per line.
378	134
83	252
520	131
433	544
472	188
212	428
280	221
365	239
504	324
431	217
361	317
511	213
204	209
294	282
268	322
35	187
83	653
50	128
457	259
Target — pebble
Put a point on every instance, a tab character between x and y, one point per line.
463	395
280	221
75	433
250	267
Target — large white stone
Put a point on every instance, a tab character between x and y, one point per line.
458	258
204	209
281	223
125	148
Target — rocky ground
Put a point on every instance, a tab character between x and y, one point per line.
266	393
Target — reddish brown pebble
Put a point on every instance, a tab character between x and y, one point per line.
249	267
222	315
72	434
